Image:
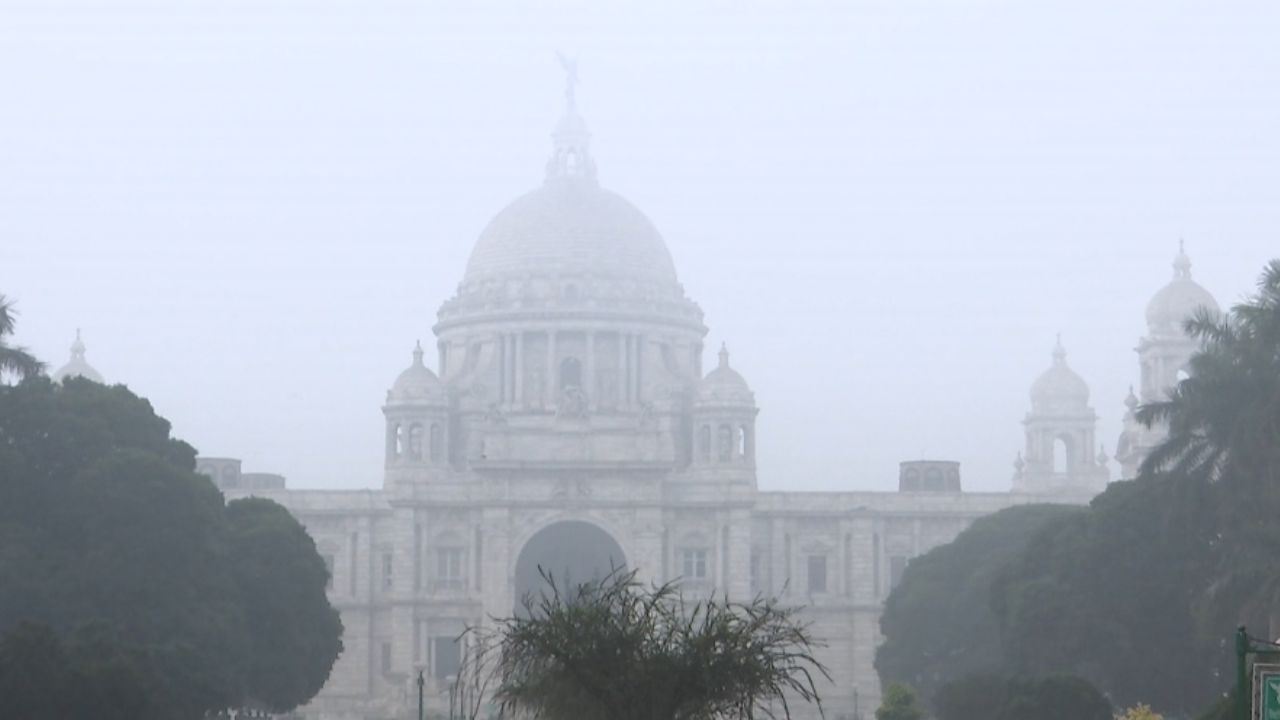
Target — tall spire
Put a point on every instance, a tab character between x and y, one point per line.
571	141
1182	263
1059	352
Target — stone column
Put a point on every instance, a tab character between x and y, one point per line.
553	377
624	370
589	382
519	398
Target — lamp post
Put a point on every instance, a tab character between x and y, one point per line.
453	693
421	682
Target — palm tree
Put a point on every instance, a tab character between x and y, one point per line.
14	359
1224	418
1224	434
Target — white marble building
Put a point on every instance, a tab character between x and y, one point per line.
571	425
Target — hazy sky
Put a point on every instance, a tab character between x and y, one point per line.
886	209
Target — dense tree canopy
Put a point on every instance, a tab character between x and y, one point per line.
1103	593
105	527
899	704
991	697
615	649
938	623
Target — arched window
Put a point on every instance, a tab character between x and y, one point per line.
1061	458
396	441
725	441
570	373
415	442
704	443
437	442
742	442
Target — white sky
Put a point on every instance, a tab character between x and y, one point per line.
887	209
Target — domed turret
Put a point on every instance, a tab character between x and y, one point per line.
724	412
725	386
1059	387
417	413
1060	457
417	385
77	366
1177	301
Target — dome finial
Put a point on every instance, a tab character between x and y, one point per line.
77	347
570	66
724	356
1182	263
571	142
1059	352
417	352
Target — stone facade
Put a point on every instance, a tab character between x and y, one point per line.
572	426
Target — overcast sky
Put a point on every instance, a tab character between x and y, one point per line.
887	210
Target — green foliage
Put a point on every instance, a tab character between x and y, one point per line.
615	649
294	634
91	679
991	697
899	704
1224	435
1140	712
1057	697
938	623
975	697
1103	593
109	537
14	360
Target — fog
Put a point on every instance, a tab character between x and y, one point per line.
886	210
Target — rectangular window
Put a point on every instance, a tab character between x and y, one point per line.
447	657
328	568
694	564
449	567
817	571
387	578
897	566
386	657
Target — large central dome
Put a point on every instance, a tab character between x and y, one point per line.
570	248
571	227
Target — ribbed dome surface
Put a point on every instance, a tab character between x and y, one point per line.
416	385
571	227
1059	387
724	385
1177	301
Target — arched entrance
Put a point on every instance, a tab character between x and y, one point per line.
572	551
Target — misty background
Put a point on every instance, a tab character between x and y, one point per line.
886	209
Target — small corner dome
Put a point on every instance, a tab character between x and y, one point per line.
725	386
1178	300
1059	386
77	366
417	385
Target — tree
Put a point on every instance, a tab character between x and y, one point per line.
294	634
1054	698
13	359
615	649
938	622
1224	433
42	677
899	704
1103	592
974	697
109	538
991	697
